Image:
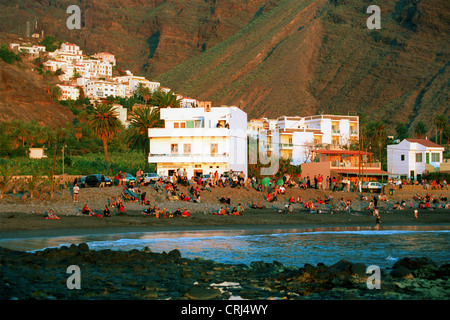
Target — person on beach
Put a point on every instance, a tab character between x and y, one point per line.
76	189
106	212
416	213
185	213
377	221
50	215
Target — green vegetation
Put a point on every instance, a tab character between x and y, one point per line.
51	43
7	55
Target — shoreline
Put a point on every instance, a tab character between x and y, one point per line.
22	217
74	232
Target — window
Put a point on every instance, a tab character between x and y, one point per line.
214	149
402	157
435	157
418	157
174	148
187	148
176	125
182	124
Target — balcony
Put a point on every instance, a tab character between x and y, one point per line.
335	131
286	146
188	132
348	165
188	157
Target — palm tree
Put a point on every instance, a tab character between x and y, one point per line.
440	122
6	174
144	92
164	99
137	132
51	181
104	123
33	183
420	130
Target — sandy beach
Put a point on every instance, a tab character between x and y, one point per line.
24	216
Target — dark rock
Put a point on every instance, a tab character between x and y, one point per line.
401	272
414	263
175	254
202	293
83	247
359	268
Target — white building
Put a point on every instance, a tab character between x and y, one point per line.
411	158
122	114
106	57
69	92
102	89
200	140
337	130
96	68
295	137
132	83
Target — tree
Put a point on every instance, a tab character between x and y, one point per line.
56	93
440	121
420	130
6	174
33	183
164	99
104	124
402	131
51	181
137	132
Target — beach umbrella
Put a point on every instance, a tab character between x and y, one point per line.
280	182
265	182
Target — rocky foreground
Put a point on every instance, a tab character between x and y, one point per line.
142	274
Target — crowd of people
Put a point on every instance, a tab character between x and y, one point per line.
273	188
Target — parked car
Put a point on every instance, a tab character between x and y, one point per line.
371	186
150	177
81	182
130	178
94	180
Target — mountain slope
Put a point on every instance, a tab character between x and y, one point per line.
306	57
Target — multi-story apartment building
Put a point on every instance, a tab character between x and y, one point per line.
69	92
102	89
200	140
295	138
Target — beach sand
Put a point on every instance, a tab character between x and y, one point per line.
21	216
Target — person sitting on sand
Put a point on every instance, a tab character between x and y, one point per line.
185	213
177	213
86	210
253	205
50	215
106	212
121	208
240	208
292	199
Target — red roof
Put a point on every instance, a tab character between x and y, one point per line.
425	142
365	171
351	152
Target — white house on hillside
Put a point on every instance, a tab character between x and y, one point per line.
413	157
200	140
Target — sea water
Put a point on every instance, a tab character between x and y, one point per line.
294	247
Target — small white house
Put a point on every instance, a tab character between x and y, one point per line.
36	153
413	157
